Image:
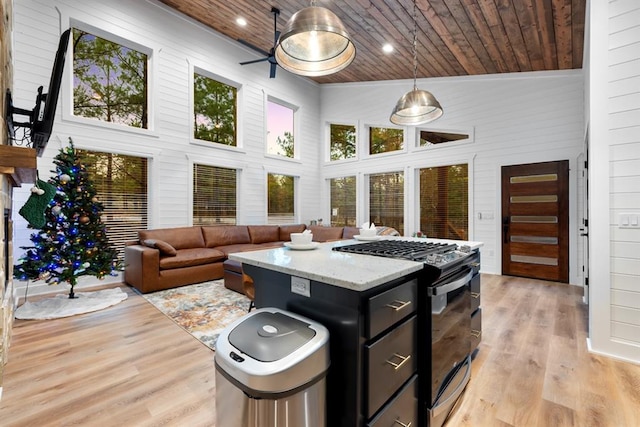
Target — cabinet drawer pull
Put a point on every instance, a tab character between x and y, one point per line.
403	359
402	424
475	333
398	305
475	295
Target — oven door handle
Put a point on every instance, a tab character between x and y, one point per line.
451	286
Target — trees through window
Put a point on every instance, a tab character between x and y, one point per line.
385	140
280	199
280	136
109	81
214	110
342	142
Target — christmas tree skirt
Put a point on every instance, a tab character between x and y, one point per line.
62	306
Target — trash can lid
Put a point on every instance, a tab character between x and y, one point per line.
268	337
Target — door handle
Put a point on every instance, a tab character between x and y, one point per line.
505	229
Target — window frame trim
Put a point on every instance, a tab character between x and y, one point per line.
297	205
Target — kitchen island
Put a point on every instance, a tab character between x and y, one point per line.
371	306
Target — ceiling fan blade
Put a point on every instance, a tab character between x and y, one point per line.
254	61
257	49
272	71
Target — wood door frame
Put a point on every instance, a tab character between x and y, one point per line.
563	166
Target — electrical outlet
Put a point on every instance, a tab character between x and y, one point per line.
300	286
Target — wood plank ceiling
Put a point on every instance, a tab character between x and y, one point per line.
455	37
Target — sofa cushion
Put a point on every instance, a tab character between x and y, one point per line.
349	232
161	245
264	233
286	230
325	234
191	257
179	237
225	235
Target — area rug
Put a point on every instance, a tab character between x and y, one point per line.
62	306
203	309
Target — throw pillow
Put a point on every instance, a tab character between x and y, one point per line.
162	246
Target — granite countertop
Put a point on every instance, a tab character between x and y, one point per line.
351	271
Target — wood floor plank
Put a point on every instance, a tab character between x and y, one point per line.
129	365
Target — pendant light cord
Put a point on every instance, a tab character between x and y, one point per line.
415	46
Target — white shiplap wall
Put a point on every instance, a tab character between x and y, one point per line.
623	90
514	119
613	111
175	45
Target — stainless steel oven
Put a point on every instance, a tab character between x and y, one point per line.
448	325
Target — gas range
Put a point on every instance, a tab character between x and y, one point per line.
438	258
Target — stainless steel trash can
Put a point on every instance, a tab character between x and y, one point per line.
271	367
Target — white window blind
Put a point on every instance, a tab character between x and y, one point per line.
386	200
343	201
444	202
121	185
214	195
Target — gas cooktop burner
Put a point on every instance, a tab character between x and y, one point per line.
432	253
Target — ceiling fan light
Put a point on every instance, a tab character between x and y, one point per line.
415	108
314	42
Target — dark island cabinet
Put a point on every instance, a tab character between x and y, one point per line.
372	380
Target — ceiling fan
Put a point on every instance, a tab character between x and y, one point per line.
268	56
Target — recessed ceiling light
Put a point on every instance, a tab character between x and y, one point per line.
241	21
387	48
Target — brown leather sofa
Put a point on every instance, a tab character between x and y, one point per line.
171	257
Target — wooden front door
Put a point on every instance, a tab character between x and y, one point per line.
535	220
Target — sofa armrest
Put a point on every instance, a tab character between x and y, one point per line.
142	267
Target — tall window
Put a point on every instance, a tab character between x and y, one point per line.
214	110
386	200
214	195
121	184
343	142
109	81
281	201
444	202
343	201
280	130
385	140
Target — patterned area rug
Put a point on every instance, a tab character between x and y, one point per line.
203	309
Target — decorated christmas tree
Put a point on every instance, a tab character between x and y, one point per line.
73	241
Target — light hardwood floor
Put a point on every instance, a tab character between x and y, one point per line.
129	365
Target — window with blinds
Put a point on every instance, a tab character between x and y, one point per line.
281	199
214	195
386	200
343	201
444	202
384	140
121	184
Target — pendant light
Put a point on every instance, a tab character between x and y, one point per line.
314	42
417	106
